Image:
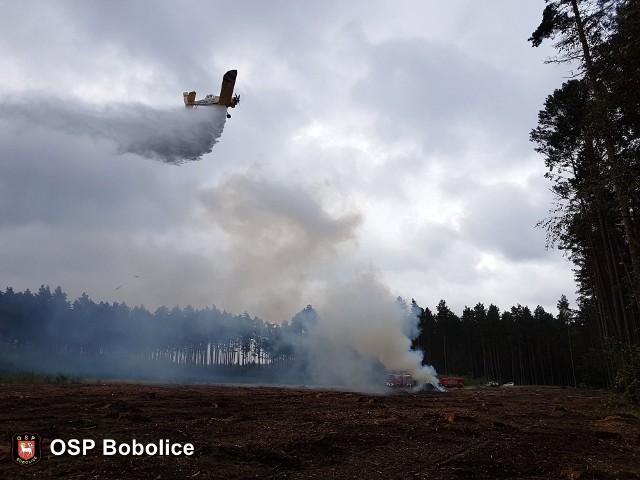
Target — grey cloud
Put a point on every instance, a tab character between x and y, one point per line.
437	82
502	218
95	260
442	96
69	181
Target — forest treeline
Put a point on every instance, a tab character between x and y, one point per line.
46	330
588	135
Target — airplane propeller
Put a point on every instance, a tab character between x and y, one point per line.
234	102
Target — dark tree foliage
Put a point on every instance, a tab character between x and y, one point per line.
588	134
44	331
514	345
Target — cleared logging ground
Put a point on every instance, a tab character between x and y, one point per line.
269	432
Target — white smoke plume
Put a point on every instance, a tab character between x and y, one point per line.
286	251
172	136
281	236
361	315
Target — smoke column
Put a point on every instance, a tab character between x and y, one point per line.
173	136
287	250
361	315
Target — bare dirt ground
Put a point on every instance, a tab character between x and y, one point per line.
273	433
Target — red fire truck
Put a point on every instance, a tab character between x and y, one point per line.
449	382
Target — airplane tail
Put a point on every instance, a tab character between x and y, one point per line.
226	90
189	98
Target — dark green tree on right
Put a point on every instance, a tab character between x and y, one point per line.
589	136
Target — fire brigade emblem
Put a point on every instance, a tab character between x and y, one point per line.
26	448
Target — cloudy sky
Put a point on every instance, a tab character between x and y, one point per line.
376	139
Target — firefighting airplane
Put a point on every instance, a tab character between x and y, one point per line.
225	99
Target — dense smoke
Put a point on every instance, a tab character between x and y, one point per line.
172	136
288	249
361	326
281	237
